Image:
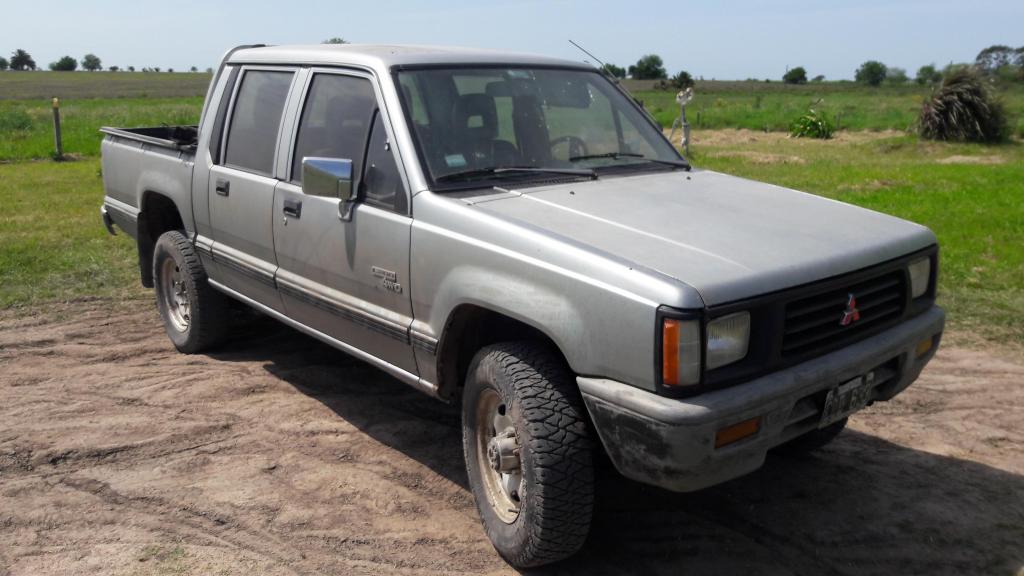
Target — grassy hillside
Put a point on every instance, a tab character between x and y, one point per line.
774	106
75	85
91	100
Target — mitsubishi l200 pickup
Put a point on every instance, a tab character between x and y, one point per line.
515	235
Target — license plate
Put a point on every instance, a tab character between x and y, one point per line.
846	399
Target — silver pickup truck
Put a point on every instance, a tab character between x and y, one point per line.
514	234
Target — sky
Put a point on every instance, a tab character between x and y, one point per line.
722	40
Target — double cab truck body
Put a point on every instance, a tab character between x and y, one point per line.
514	234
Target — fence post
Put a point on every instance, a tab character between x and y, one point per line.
56	130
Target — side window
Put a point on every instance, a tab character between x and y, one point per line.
335	120
255	120
382	184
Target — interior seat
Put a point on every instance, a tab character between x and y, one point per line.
475	119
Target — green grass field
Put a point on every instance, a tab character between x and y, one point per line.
972	196
91	100
773	107
27	126
79	85
53	247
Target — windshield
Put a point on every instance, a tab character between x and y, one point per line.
479	124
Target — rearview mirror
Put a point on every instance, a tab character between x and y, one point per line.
328	177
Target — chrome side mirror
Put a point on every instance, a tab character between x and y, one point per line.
330	178
327	177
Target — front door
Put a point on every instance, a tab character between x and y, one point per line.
241	194
347	278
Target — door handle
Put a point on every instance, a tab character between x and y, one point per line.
293	208
223	187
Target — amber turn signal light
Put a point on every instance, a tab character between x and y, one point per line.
923	347
737	432
670	352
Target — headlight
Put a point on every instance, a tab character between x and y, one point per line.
680	352
727	339
920	274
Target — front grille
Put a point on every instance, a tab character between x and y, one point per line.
813	323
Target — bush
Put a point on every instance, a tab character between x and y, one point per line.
871	73
963	108
927	74
812	125
896	75
650	67
65	64
795	76
615	71
21	60
682	80
92	63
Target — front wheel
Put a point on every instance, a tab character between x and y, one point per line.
194	314
528	452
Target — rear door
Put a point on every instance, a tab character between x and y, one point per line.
242	183
347	279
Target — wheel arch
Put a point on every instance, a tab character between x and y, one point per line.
158	214
468	328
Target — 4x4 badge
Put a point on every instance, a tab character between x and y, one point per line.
851	314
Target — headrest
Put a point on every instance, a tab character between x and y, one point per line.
476	113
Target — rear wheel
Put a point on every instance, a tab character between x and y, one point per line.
194	314
528	452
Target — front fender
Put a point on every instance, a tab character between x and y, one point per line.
600	313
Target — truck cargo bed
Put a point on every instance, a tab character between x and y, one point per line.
175	137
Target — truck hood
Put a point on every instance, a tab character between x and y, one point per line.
727	237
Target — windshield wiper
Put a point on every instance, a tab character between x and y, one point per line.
617	155
485	172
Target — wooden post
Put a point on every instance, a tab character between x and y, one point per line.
686	130
56	130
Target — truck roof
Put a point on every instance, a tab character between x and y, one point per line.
384	56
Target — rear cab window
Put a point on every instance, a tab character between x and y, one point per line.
256	120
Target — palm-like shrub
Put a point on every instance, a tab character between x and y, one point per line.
963	108
812	125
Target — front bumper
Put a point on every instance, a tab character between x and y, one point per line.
670	442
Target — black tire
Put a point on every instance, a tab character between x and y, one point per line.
205	323
555	452
812	440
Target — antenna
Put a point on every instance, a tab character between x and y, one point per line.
604	67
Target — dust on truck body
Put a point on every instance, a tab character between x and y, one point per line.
515	235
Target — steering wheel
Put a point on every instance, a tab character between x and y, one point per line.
577	147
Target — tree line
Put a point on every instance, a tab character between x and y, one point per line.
22	61
998	61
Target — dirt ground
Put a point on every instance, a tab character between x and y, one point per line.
278	455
